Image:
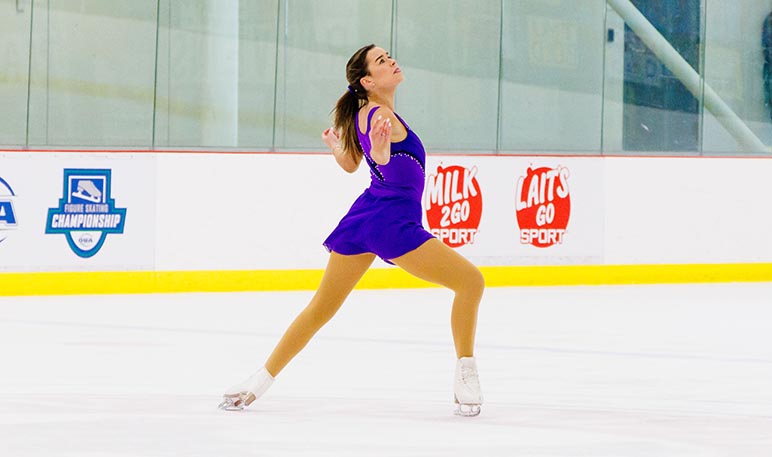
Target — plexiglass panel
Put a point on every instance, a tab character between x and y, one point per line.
552	75
15	17
94	63
738	60
662	54
316	39
449	53
216	73
677	77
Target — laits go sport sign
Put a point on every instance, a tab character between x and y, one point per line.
543	206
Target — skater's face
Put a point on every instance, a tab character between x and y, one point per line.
383	71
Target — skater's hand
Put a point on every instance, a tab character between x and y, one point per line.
380	139
331	138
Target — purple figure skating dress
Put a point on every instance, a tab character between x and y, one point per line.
386	218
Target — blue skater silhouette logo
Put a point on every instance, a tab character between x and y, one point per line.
86	213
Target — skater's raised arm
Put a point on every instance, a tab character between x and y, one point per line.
345	159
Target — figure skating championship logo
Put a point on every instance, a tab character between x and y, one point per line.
7	214
543	206
86	213
453	205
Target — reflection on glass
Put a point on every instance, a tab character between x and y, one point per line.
552	76
734	68
316	41
14	55
449	52
96	62
660	114
503	76
216	73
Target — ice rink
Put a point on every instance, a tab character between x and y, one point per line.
617	371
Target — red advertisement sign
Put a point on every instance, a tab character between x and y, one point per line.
543	205
453	205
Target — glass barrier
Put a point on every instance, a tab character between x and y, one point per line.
216	73
552	76
15	17
316	39
738	55
449	53
642	77
92	73
659	113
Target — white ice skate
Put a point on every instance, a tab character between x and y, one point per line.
88	191
467	391
243	394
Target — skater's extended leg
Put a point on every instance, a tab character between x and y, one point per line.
340	277
435	262
342	274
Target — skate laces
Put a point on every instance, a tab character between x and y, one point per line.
469	376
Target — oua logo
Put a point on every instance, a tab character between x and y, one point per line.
7	214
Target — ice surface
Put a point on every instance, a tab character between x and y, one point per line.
663	370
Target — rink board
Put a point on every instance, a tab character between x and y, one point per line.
175	221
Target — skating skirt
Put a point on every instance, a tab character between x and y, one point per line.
388	227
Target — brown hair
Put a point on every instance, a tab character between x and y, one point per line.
349	103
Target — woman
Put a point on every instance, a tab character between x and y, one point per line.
384	221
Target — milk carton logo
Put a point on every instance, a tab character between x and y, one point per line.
543	206
7	213
86	214
453	205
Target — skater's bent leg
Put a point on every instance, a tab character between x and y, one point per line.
435	262
342	274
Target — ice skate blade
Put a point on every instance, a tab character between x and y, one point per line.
230	404
236	402
467	410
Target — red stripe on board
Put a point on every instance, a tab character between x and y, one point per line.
436	153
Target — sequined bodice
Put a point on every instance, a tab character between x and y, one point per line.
404	175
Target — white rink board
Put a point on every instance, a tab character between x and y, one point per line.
668	210
224	211
37	180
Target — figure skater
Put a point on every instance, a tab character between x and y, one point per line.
385	221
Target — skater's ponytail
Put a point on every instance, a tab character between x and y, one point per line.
348	105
